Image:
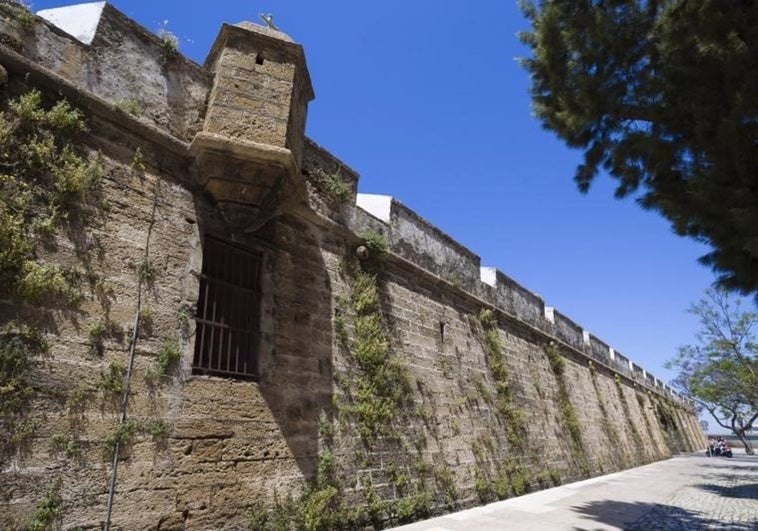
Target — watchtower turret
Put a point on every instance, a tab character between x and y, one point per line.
256	115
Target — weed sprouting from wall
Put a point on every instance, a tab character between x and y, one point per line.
122	435
377	249
332	186
48	509
168	40
131	106
168	357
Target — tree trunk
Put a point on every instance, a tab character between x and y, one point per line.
745	442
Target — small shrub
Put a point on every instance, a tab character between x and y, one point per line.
77	397
44	185
183	317
112	381
123	435
325	468
169	41
168	356
331	185
520	482
157	429
146	272
557	362
58	441
130	106
26	19
72	450
97	330
47	282
138	161
483	487
487	318
376	246
145	319
49	509
446	483
259	517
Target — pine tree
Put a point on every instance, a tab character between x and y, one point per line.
663	96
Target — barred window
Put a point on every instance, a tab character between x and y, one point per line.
228	311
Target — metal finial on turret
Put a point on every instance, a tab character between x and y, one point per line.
269	21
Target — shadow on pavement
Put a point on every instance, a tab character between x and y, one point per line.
748	491
655	517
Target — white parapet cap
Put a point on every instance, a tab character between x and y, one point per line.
379	206
488	275
80	21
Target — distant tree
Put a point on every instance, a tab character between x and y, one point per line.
720	372
662	95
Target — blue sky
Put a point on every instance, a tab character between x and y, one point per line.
426	101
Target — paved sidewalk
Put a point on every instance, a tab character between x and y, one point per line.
687	493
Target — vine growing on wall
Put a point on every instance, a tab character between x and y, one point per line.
568	411
46	187
643	407
608	428
511	477
375	395
505	403
638	447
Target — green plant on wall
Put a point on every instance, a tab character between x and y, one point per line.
123	435
331	185
168	357
609	429
48	509
377	249
505	402
19	347
112	380
131	106
374	395
46	186
379	387
510	477
169	42
639	448
568	411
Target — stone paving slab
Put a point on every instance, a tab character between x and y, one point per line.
688	492
724	498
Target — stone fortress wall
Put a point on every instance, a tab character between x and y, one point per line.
387	386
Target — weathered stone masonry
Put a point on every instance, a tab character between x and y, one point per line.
491	393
